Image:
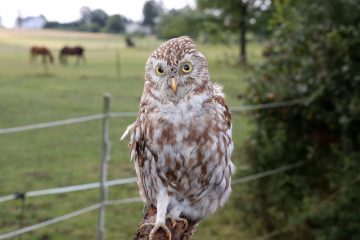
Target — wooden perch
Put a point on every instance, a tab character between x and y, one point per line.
178	232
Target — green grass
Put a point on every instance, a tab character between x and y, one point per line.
69	155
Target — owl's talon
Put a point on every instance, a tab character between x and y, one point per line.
156	227
145	225
173	222
178	219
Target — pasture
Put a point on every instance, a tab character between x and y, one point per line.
70	155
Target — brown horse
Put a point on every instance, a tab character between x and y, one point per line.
77	51
43	52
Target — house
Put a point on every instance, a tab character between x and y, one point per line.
133	27
31	22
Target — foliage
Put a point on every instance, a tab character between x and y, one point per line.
259	20
194	23
65	26
151	11
93	21
206	22
90	21
228	12
314	55
99	17
85	13
185	21
115	24
234	16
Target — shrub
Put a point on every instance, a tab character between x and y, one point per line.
314	55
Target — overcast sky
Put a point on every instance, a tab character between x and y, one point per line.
69	10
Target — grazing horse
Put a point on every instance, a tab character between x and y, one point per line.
77	51
42	51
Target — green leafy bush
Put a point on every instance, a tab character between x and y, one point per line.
314	55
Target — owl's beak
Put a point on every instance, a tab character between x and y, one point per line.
173	84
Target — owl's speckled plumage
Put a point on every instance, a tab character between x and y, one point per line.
181	141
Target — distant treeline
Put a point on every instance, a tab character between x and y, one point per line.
94	21
204	21
210	21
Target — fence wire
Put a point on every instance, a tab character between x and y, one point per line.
67	217
123	114
134	114
266	173
49	222
118	181
127	200
123	181
68	189
51	124
123	201
267	105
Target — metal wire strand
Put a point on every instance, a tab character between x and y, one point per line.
68	189
134	114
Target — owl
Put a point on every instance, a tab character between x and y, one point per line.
181	142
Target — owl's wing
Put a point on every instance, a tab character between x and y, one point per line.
219	98
139	152
224	111
127	131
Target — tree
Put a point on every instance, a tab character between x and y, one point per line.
99	17
85	13
52	24
93	21
176	23
234	14
151	11
115	24
315	57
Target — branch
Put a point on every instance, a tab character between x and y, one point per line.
178	232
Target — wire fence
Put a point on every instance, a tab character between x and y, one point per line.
302	216
66	189
104	183
267	173
126	200
265	106
52	124
49	222
123	181
67	217
235	109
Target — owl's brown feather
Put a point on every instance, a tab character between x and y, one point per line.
181	141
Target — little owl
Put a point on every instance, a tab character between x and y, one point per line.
181	141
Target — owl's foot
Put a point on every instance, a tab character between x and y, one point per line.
156	227
178	219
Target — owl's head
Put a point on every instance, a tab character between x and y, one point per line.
177	70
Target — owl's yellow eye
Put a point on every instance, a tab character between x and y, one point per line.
159	70
186	67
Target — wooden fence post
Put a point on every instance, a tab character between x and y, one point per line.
104	166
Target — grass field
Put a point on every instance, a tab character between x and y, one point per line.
70	155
